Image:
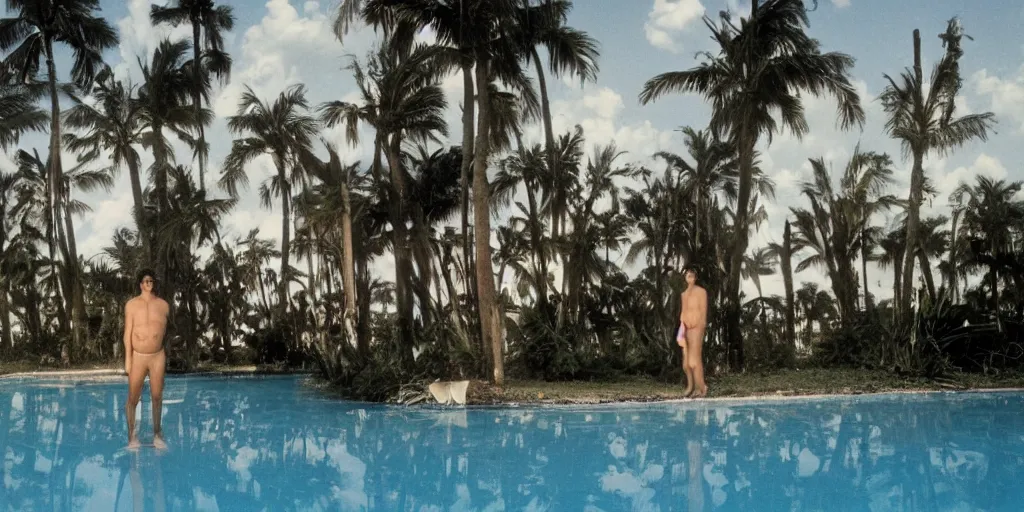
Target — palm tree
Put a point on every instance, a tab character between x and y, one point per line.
762	65
482	33
208	55
865	181
760	262
334	199
29	38
920	116
402	98
112	124
163	104
285	132
33	169
989	216
784	252
569	51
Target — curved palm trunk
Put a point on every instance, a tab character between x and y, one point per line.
549	143
490	316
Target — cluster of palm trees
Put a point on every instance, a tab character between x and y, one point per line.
461	303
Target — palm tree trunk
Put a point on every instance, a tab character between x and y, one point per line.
197	102
78	313
538	249
926	271
468	131
787	281
348	267
55	171
490	319
5	319
914	205
403	261
746	161
286	232
868	303
140	215
549	146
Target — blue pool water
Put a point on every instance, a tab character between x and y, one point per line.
273	444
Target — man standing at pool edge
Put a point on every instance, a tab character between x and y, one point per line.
693	316
145	322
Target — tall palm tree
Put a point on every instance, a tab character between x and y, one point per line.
28	39
482	33
112	123
284	131
920	116
80	178
163	105
402	99
208	55
334	199
761	67
569	51
865	183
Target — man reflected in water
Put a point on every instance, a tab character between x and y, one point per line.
139	492
145	321
693	315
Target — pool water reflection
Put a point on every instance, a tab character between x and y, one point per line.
271	443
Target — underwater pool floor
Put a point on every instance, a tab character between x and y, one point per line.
275	444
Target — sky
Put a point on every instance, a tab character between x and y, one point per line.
279	43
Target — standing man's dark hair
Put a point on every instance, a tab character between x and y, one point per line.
144	273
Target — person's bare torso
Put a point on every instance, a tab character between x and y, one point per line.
693	313
149	323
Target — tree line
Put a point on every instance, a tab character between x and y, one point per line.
477	230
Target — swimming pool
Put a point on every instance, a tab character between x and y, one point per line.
273	444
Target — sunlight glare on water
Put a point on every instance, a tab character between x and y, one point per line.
273	444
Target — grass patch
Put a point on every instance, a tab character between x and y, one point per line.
780	383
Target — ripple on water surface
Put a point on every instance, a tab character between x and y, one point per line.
271	443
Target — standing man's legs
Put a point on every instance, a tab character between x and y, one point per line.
157	365
695	344
136	378
687	371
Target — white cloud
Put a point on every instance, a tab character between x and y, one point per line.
1006	96
668	17
841	4
285	48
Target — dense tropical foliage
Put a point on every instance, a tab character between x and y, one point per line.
555	260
